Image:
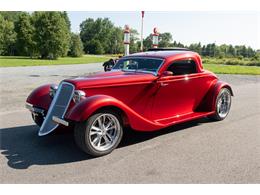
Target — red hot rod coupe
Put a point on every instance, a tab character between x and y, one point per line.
147	91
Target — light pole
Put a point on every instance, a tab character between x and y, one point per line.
155	37
142	28
126	39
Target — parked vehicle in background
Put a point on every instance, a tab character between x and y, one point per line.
108	65
147	91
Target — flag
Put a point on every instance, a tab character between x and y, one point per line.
142	14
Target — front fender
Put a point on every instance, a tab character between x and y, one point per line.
90	105
40	97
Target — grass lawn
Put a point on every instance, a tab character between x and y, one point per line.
232	69
10	61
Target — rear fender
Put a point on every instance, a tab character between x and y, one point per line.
218	86
209	101
90	105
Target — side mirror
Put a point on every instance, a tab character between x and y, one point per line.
167	73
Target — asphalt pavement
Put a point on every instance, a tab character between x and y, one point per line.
200	151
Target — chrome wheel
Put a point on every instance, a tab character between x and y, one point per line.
104	132
223	103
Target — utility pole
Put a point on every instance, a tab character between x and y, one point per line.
142	26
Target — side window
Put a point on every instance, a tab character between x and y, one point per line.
183	67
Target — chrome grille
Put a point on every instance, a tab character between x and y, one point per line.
58	107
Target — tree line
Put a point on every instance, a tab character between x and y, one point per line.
45	35
48	35
210	50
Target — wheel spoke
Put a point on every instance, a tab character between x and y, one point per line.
95	128
99	142
109	137
111	128
99	122
96	140
106	139
109	124
94	132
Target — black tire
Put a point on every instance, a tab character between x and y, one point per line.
38	119
217	116
82	131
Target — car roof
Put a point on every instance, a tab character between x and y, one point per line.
162	53
169	55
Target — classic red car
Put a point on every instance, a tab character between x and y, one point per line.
147	91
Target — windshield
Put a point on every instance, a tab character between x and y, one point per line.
139	64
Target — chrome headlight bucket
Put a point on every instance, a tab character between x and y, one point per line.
78	96
53	89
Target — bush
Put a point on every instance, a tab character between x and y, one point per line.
253	63
232	61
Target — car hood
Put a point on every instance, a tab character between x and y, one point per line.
112	78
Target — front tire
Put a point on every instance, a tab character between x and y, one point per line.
38	119
100	134
222	105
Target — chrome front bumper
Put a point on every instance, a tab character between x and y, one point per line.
36	111
33	109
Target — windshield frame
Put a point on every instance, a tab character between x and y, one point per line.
143	71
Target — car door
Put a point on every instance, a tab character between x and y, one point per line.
176	93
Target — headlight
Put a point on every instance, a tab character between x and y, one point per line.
78	95
53	89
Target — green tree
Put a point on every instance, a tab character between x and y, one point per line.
95	47
134	47
250	52
196	47
51	34
76	46
103	32
148	42
7	37
223	50
25	43
2	28
12	16
165	39
176	44
66	18
116	41
100	30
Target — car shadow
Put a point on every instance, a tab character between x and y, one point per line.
23	147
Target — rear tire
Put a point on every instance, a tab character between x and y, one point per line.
222	105
100	134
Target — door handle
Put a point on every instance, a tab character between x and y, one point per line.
164	84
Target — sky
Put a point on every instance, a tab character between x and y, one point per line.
220	27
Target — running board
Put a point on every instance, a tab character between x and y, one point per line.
183	118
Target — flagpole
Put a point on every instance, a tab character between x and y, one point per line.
142	30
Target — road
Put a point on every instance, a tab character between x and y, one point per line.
200	151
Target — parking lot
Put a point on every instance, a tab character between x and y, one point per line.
200	151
